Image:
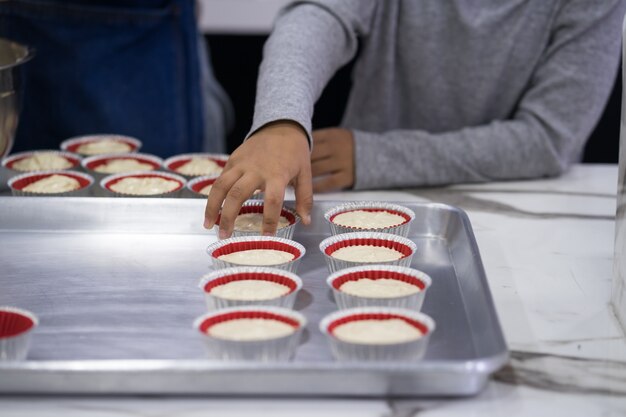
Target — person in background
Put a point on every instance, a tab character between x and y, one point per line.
443	92
131	67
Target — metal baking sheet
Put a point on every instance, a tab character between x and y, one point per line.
114	283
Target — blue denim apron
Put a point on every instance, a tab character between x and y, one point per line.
119	66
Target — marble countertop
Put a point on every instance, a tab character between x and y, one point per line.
547	247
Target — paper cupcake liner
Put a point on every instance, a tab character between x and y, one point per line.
90	163
268	350
17	183
256	206
7	163
408	275
16	326
72	144
236	244
198	183
109	180
406	246
224	276
405	351
400	230
175	162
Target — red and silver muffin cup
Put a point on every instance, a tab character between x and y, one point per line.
91	163
328	246
404	351
256	206
175	163
262	350
74	143
19	182
238	244
9	171
16	326
401	229
242	274
195	185
420	280
110	180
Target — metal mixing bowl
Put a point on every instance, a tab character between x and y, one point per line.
12	56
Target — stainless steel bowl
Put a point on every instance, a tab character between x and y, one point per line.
12	56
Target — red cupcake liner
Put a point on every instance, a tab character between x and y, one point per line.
248	314
73	144
199	185
405	216
257	208
27	179
97	162
377	274
114	181
389	244
74	160
174	165
14	323
376	316
256	244
252	276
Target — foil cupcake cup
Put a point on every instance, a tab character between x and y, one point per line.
91	163
195	185
256	206
16	326
403	351
73	144
242	274
175	163
344	300
238	244
19	182
400	229
110	180
387	240
264	350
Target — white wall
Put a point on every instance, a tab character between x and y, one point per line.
238	16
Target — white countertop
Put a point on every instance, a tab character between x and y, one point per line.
547	247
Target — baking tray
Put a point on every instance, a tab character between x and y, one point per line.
114	283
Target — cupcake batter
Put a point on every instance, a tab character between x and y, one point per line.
102	146
367	254
41	161
260	257
118	166
144	186
53	184
206	189
363	219
379	288
199	166
377	332
250	289
252	222
250	329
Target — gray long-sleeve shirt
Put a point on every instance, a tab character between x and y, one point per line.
448	91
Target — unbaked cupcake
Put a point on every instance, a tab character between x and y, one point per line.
52	183
249	221
379	285
16	326
363	248
256	333
196	164
45	160
370	216
143	184
233	287
269	251
200	187
99	166
100	144
377	334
